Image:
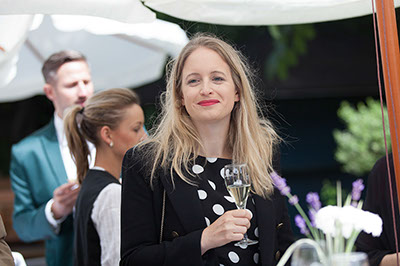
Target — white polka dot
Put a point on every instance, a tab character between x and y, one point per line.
221	265
222	173
212	160
218	209
202	194
256	257
212	184
207	221
233	257
256	232
230	199
197	169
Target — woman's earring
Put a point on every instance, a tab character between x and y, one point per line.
111	144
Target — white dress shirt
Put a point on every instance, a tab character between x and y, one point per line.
69	165
107	221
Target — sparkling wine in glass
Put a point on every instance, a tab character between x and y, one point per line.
238	183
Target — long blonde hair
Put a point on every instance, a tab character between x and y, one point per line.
105	108
175	141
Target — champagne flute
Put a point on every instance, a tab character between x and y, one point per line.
238	183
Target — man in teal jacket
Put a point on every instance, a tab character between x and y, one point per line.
42	172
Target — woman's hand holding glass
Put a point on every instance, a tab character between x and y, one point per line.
238	183
231	226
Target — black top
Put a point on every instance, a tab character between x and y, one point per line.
378	201
215	200
87	250
141	219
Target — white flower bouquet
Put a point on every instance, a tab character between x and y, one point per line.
331	229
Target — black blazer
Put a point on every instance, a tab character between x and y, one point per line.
184	222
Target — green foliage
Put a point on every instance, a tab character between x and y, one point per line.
328	193
290	42
361	143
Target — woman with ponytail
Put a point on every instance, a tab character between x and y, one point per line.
113	121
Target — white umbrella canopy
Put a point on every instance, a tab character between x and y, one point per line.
262	12
120	54
130	11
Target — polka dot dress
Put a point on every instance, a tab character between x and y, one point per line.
215	201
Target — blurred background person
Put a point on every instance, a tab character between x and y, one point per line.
381	250
42	172
176	209
6	257
113	121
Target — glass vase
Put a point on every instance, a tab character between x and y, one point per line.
349	259
305	255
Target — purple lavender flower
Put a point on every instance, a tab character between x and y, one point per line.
358	187
301	224
280	184
311	215
293	200
312	199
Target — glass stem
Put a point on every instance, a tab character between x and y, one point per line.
245	238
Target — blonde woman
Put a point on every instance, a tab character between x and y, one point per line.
175	207
113	121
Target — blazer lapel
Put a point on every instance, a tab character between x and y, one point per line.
52	152
184	199
266	227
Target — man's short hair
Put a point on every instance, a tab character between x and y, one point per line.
56	60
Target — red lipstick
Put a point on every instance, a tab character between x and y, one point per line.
208	102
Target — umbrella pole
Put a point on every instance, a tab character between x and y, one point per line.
390	61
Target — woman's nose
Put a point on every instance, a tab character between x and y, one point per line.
206	88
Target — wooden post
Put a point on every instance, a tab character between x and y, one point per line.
390	58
